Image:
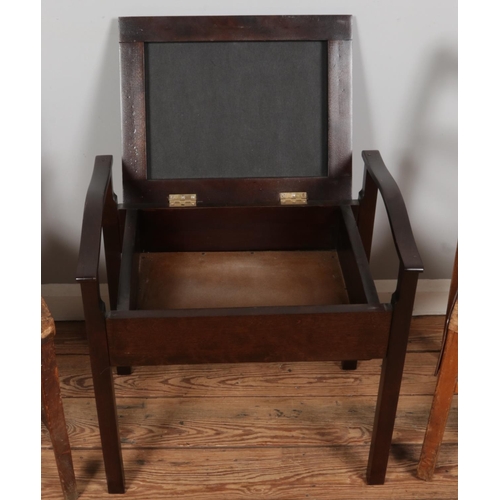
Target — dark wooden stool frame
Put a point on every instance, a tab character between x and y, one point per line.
129	335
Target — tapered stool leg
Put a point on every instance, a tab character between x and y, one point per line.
124	370
102	376
349	365
391	376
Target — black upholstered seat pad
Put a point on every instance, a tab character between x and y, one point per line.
236	109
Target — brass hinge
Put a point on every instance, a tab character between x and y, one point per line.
181	200
298	198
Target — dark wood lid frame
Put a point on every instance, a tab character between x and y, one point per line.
135	32
234	28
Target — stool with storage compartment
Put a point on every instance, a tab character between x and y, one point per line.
238	239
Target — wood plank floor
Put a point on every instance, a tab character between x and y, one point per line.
252	431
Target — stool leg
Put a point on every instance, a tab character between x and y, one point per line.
349	365
104	390
441	403
391	376
108	426
124	370
53	414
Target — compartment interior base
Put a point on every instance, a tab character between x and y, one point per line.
187	280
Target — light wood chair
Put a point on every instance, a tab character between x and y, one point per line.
52	408
446	385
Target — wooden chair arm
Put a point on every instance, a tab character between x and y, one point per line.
99	192
396	211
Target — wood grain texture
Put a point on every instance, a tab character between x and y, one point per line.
133	95
451	322
280	473
48	326
425	336
319	379
234	422
243	335
340	110
53	411
153	401
443	398
204	280
233	28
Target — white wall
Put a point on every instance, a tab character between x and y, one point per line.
405	105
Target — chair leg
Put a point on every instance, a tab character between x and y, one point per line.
349	365
391	376
104	390
108	427
385	415
441	403
124	370
53	417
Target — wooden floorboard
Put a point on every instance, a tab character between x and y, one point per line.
289	473
277	430
241	422
320	379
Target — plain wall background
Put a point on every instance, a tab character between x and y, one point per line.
405	105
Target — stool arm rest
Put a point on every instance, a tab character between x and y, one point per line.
99	192
399	221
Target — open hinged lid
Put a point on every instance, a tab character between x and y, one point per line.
236	110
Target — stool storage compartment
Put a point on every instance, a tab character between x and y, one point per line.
238	239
